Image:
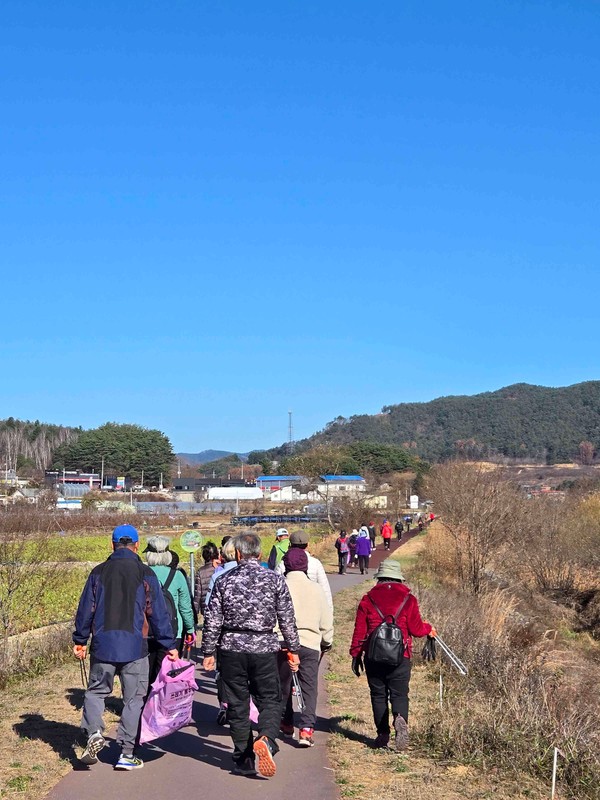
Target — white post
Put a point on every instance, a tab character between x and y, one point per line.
142	484
554	768
441	689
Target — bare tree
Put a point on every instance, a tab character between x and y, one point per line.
586	452
478	507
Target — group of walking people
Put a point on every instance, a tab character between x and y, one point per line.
263	624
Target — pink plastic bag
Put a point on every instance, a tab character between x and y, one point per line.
169	704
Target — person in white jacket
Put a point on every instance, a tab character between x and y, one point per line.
316	571
314	621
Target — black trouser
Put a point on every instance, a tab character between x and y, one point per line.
242	675
342	562
308	677
372	542
388	685
363	563
386	543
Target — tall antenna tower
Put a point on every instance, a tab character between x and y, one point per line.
290	433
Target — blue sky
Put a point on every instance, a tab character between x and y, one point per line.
213	212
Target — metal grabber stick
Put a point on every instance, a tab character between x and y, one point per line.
454	659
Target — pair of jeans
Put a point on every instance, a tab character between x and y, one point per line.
242	675
134	686
308	677
342	562
363	563
388	685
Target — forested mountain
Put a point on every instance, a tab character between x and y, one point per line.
522	421
207	455
30	445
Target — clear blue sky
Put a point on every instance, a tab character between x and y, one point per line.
213	212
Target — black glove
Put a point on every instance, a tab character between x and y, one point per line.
429	650
325	648
357	665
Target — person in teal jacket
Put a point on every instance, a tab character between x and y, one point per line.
158	558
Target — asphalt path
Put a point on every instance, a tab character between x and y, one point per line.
197	759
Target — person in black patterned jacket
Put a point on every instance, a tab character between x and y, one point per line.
245	606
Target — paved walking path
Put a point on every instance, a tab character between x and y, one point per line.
197	760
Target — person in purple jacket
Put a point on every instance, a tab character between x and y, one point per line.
363	550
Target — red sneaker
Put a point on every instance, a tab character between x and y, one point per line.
305	737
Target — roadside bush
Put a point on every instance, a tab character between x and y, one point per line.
521	697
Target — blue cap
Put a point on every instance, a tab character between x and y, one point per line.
125	532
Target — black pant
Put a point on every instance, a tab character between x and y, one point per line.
342	562
363	563
308	677
242	675
372	542
388	685
386	544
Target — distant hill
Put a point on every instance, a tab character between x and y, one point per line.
521	421
208	455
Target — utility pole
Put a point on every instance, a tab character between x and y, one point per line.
142	484
179	468
290	433
102	474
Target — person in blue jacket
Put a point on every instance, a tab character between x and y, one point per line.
121	601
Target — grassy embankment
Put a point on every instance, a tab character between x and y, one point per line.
425	771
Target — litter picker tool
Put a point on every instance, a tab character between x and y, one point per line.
296	688
453	658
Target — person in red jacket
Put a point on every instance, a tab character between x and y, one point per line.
386	533
386	682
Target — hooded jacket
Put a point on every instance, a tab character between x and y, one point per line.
363	543
120	602
388	595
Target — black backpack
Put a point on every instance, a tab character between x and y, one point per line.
386	642
170	602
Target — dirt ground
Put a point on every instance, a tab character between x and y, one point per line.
39	723
367	774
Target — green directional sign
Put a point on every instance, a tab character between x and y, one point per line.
190	541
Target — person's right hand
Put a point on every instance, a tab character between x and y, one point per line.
357	665
432	633
80	651
208	665
172	655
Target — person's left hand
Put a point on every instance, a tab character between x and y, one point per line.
173	655
293	661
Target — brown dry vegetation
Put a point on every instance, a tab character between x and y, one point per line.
424	772
525	627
